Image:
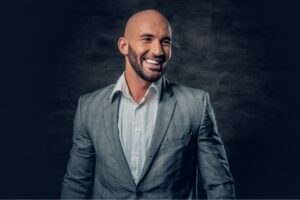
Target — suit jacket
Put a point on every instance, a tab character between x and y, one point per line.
185	148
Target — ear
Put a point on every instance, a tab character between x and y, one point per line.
123	46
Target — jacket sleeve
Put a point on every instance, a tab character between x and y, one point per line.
211	158
78	180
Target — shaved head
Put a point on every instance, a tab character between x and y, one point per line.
135	20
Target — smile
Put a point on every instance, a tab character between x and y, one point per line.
152	61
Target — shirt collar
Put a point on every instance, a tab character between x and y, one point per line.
121	87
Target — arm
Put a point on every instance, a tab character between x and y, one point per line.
212	161
78	180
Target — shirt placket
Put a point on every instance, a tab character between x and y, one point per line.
135	158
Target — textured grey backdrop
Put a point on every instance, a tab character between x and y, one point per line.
245	54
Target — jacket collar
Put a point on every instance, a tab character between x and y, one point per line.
121	87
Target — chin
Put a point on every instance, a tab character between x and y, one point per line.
154	77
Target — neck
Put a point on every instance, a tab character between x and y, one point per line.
136	85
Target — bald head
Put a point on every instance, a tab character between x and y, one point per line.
140	19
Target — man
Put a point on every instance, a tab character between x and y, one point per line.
145	137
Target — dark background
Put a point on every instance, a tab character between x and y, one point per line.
244	53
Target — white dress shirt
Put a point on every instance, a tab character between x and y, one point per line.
136	123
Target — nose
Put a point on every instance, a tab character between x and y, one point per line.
156	49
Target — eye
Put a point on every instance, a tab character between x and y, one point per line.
147	39
166	42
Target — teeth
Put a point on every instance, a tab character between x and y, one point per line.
151	61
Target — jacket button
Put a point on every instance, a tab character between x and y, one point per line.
139	194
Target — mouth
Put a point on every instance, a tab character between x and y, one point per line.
154	64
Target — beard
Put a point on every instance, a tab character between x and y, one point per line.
138	67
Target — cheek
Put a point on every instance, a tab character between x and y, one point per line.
140	53
168	53
140	49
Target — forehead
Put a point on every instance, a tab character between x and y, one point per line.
155	25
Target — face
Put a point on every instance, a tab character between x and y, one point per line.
149	49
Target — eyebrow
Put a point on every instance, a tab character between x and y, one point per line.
146	35
151	35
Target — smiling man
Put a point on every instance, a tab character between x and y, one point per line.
146	46
145	137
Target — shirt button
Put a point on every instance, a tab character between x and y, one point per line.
139	194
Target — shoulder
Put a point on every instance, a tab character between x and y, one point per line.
191	102
186	93
96	98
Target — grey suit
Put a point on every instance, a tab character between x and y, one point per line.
185	144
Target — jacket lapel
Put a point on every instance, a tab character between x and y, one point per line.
165	110
110	116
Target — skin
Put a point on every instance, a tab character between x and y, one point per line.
146	46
